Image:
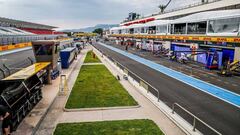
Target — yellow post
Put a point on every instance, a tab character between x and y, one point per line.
63	86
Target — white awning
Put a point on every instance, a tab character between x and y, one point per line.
157	23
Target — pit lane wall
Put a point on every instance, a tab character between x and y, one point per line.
16	46
26	44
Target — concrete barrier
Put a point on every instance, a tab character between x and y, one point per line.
16	46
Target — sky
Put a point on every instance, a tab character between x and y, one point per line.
68	14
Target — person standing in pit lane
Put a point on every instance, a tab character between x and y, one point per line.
1	121
5	117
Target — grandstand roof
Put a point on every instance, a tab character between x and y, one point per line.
7	31
157	22
6	22
209	15
118	28
135	25
210	5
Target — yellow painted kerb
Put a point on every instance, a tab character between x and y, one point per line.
22	45
16	46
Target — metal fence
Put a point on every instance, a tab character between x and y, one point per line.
192	5
195	119
197	123
9	40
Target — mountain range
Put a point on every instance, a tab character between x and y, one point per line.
91	29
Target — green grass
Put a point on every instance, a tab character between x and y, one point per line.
125	127
89	58
97	87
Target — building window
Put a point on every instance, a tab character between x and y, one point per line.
131	31
197	28
152	30
179	28
43	49
230	25
142	30
162	29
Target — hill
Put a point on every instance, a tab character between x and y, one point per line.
90	29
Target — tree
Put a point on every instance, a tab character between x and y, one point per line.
98	31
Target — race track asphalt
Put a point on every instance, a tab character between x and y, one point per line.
223	116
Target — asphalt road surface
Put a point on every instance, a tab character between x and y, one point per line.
224	117
191	68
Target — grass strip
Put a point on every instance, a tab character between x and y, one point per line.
96	87
91	58
124	127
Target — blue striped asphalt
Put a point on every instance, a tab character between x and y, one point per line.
14	51
221	93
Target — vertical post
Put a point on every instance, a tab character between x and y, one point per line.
63	87
49	72
24	113
158	96
18	119
34	99
173	107
186	30
191	71
194	124
30	60
28	105
9	71
1	122
3	72
38	95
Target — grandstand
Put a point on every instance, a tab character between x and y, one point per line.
205	5
15	31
